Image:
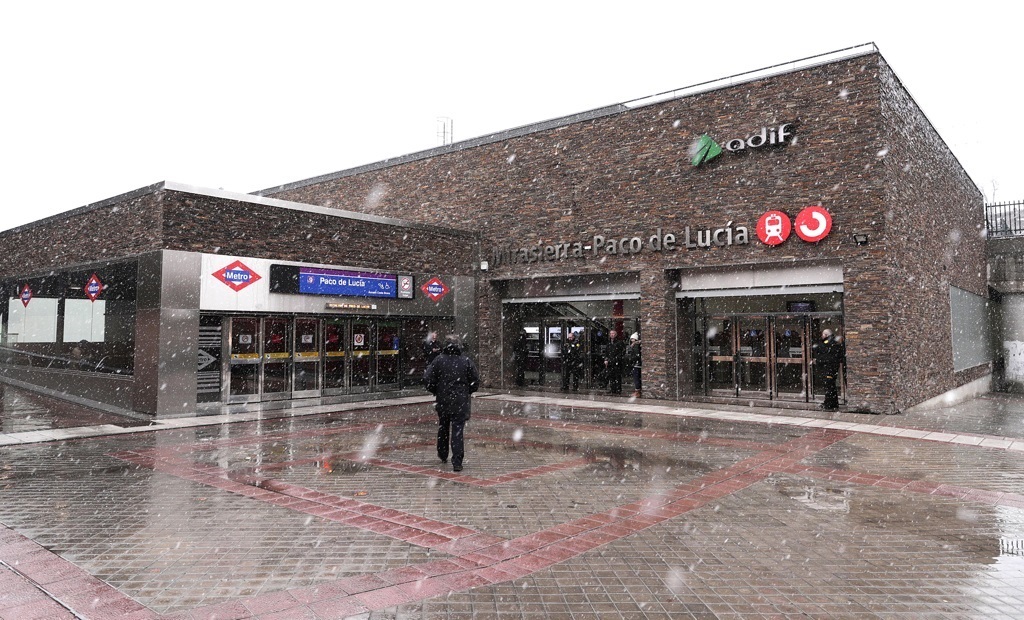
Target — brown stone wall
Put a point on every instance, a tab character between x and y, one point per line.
199	223
934	233
119	227
629	173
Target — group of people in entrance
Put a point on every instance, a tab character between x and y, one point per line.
620	359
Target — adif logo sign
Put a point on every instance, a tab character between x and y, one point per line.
705	148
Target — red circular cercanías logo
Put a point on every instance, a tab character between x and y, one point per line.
813	224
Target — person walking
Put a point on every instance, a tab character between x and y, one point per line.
634	361
572	362
614	362
451	377
829	355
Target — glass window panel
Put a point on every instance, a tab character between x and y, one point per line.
34	323
84	320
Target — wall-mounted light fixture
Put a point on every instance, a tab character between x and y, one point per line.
483	265
860	238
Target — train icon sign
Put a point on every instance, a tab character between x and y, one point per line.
774	228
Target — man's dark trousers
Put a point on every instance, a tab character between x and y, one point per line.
453	429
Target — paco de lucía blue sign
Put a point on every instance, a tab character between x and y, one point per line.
315	281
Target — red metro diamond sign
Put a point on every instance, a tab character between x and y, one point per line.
237	275
93	287
435	289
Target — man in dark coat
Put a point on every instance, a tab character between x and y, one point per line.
829	355
451	377
520	353
572	362
615	361
431	347
634	360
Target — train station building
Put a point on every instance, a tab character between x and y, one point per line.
725	224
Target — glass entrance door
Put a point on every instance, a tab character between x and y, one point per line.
533	363
306	382
387	355
752	356
760	356
720	357
362	364
277	358
790	347
336	339
244	359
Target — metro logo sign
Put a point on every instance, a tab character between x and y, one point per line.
237	275
435	289
93	287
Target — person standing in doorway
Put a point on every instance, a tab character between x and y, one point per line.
519	356
431	348
615	361
829	356
572	360
451	378
634	361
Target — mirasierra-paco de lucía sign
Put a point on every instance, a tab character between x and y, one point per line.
608	245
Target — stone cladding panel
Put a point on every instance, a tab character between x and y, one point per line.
116	229
197	223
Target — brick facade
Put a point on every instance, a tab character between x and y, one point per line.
863	150
158	218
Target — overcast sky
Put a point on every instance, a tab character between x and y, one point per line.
100	98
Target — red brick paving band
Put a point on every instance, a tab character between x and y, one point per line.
39	580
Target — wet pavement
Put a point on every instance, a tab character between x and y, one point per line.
565	509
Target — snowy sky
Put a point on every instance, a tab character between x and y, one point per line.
100	98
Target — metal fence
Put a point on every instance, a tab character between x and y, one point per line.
1005	219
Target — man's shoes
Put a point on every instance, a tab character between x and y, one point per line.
444	459
456	467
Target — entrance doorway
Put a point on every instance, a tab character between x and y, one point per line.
761	355
283	357
538	332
